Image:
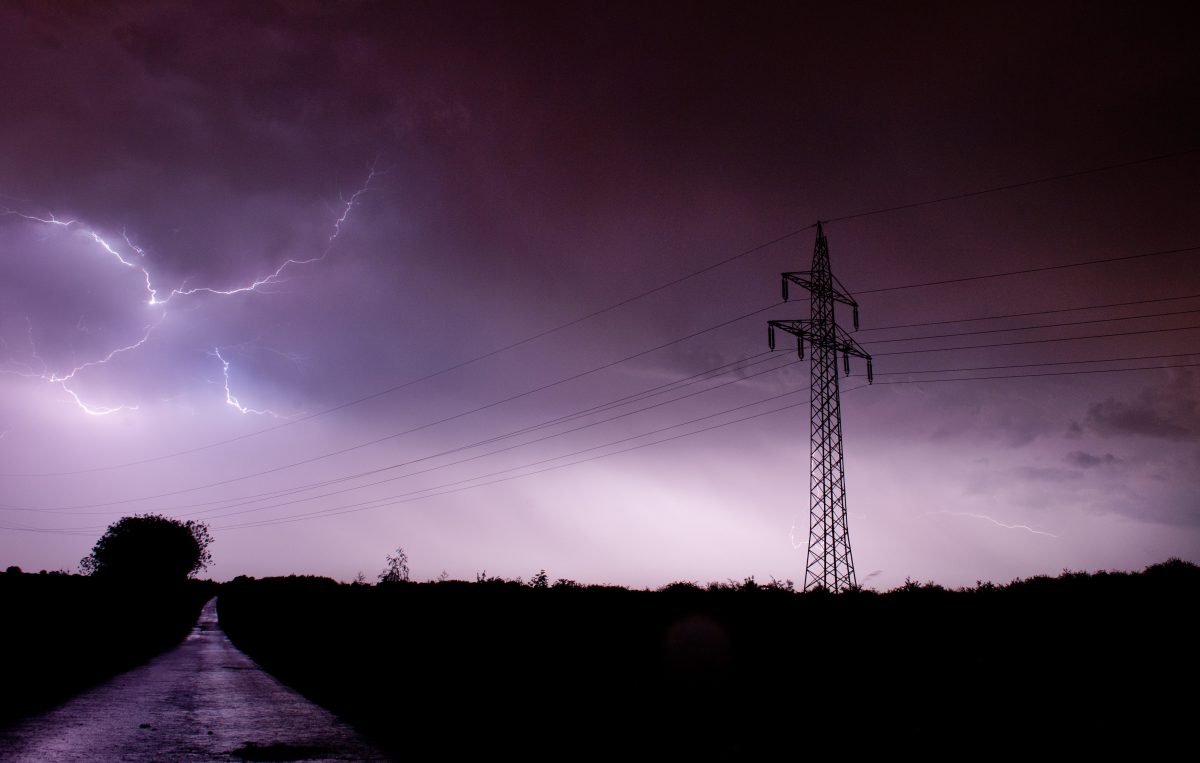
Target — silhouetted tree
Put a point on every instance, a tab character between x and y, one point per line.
396	570
149	547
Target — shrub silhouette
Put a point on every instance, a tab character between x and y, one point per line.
396	570
149	548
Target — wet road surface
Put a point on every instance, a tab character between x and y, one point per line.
202	701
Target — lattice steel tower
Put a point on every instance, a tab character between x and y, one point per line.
830	563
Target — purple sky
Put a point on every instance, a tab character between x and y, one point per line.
291	207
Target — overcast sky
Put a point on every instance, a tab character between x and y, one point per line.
234	233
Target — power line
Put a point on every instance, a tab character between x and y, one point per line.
364	504
489	453
1042	269
1012	186
566	455
1030	314
488	441
600	408
48	530
1035	365
468	458
733	366
1039	341
1036	326
1050	373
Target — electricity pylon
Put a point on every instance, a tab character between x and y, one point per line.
830	563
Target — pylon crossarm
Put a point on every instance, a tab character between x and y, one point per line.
847	346
840	290
795	328
802	328
804	279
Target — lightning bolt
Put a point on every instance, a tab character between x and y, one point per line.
275	275
297	361
985	517
62	379
153	298
230	400
131	245
95	237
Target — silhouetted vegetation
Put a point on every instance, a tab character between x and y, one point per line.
149	548
64	633
736	669
395	568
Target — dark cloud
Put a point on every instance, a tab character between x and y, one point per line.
1166	503
1170	411
1047	474
1088	460
962	414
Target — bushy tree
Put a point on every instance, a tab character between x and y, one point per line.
150	548
396	568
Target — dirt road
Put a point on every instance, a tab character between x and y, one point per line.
202	701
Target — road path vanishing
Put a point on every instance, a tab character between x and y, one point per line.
202	701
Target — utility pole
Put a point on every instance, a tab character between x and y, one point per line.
830	563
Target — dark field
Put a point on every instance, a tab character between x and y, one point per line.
61	634
1079	661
